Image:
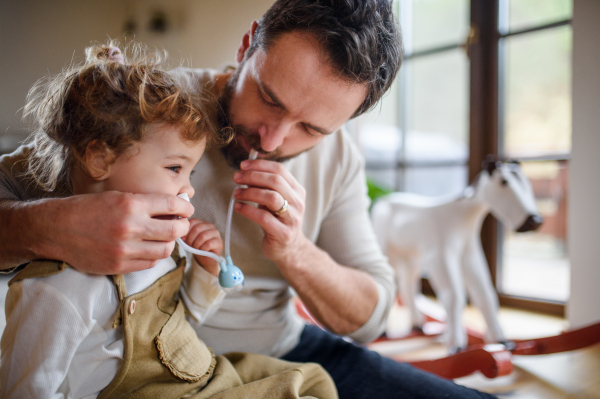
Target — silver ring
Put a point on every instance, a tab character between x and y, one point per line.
282	209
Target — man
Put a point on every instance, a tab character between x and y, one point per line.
305	69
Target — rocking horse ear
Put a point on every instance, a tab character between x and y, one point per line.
490	163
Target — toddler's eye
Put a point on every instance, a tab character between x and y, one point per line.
174	168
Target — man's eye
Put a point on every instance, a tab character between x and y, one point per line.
309	131
175	168
265	100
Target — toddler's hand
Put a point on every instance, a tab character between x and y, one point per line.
206	237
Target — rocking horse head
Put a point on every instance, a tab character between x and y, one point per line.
507	191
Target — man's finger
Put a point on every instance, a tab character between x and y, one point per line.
135	265
164	204
272	200
269	181
265	219
263	165
139	256
165	230
151	250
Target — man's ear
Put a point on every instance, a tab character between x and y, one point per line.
97	160
246	42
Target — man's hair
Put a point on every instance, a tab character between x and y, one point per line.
109	102
362	38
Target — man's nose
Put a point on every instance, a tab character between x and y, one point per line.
272	135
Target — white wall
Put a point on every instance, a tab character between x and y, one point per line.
38	37
206	32
584	175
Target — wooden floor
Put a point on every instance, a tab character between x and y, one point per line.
570	375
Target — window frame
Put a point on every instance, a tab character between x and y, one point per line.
486	130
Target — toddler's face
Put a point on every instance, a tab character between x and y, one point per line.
161	164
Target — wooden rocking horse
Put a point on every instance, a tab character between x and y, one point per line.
440	237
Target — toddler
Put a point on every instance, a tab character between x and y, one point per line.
112	125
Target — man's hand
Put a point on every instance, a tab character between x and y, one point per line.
339	297
106	233
269	184
206	237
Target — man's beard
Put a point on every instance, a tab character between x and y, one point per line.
235	152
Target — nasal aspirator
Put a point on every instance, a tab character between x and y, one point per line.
229	275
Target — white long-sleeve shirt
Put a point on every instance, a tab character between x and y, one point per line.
59	341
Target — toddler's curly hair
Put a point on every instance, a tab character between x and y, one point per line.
111	102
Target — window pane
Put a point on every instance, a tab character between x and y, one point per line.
437	101
378	137
437	105
428	24
386	178
382	146
434	181
424	120
536	264
524	14
435	116
380	143
537	119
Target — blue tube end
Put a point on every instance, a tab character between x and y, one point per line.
230	276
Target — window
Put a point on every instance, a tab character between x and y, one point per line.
535	41
418	140
484	77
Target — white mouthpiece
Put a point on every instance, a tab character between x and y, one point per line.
185	196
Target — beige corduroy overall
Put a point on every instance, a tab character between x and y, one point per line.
164	358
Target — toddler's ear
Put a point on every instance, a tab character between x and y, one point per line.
97	160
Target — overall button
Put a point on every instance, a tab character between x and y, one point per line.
132	307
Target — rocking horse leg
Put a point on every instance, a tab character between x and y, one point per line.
408	277
481	290
447	283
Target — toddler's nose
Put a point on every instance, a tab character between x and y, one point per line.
187	189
